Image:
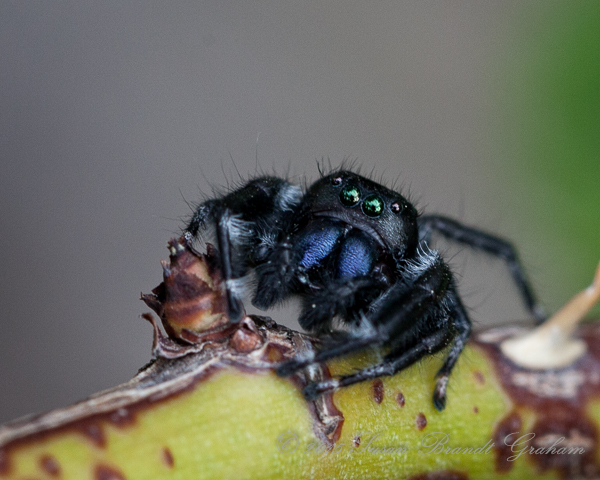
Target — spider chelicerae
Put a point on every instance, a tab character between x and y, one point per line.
357	251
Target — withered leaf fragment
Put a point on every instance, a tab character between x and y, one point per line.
190	300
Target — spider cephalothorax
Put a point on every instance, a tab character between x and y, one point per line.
357	251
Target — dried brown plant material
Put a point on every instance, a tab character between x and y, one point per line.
552	345
191	296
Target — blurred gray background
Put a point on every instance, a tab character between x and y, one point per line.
113	113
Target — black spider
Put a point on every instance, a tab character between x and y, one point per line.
354	250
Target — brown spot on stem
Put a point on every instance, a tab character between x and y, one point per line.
475	409
441	475
559	398
421	421
103	472
378	391
356	442
510	425
49	465
479	377
400	399
565	444
167	456
94	432
122	417
329	420
548	390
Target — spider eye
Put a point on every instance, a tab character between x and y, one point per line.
337	181
350	195
396	207
373	206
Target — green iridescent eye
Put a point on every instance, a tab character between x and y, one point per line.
373	206
350	195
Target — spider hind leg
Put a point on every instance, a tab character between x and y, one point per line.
490	244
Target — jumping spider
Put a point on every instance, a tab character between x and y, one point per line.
355	250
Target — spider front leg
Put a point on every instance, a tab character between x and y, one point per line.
415	320
227	227
490	244
333	351
242	219
216	211
392	364
231	231
403	308
400	359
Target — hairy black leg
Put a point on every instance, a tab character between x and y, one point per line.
402	309
462	327
351	345
243	219
214	210
401	359
264	200
224	234
227	225
392	364
200	218
498	247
